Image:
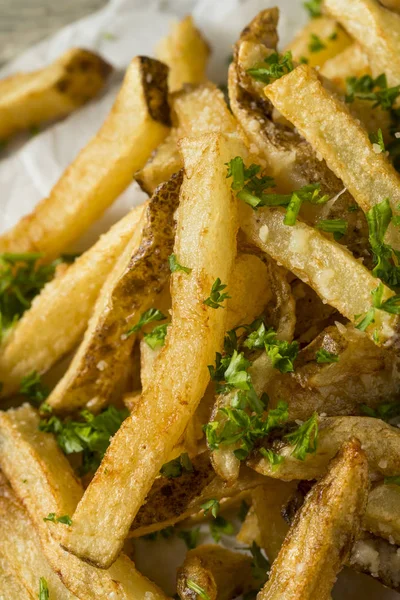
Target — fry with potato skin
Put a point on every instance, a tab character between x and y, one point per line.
43	480
57	319
206	243
137	123
327	125
382	516
376	29
321	263
30	99
98	369
221	573
323	531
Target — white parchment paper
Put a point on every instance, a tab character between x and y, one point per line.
31	166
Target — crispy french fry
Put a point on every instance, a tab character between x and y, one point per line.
186	52
20	548
342	142
10	585
59	315
221	573
29	99
377	557
173	500
262	29
42	479
137	123
250	530
323	531
382	516
205	242
352	62
162	164
99	368
321	263
376	29
380	442
320	40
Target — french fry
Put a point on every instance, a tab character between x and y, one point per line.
205	242
380	442
262	29
99	368
173	500
323	531
320	40
137	123
327	125
382	516
162	164
377	557
221	573
186	52
321	263
352	62
20	548
11	586
376	29
250	530
391	5
57	319
42	479
29	99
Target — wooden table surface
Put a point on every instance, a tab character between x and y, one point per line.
24	22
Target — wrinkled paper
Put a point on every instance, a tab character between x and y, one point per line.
32	165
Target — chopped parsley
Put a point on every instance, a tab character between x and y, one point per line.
43	589
156	337
385	257
260	564
386	412
21	279
211	505
89	436
316	44
33	388
305	438
282	353
175	266
395	480
190	537
373	90
153	314
333	36
65	519
324	356
273	458
175	468
192	585
251	189
216	298
276	65
314	8
220	526
376	139
391	306
336	226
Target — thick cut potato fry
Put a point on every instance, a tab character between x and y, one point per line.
99	368
321	263
381	559
376	29
10	585
268	501
221	573
323	532
195	110
137	123
262	29
43	481
173	500
29	99
206	243
186	52
333	38
380	442
382	516
327	125
20	547
59	315
352	62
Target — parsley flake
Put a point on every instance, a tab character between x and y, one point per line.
385	257
316	44
220	526
33	387
153	314
276	66
211	505
156	337
273	458
190	537
65	519
305	438
43	589
192	585
175	266
372	90
215	298
377	141
336	226
174	468
386	412
395	480
324	356
260	564
314	8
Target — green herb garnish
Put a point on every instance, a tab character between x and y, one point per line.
324	356
215	298
276	65
174	468
175	266
220	526
314	8
336	226
65	519
192	585
373	90
43	589
156	337
190	537
153	314
305	438
211	505
33	387
377	140
395	480
316	44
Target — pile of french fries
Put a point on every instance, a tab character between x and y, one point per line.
233	342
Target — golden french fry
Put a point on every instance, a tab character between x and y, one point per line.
352	62
29	99
99	368
380	442
382	516
162	164
250	530
320	40
137	123
186	52
323	532
221	573
59	315
376	29
376	557
205	243
321	263
43	480
262	29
